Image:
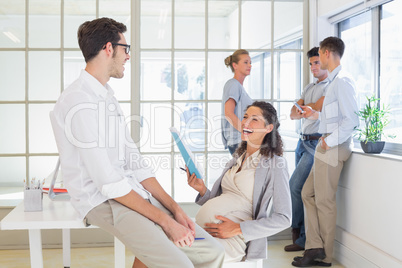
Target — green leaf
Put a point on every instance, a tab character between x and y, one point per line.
375	120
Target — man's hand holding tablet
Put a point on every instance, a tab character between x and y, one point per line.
298	107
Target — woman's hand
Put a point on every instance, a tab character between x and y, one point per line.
225	229
196	183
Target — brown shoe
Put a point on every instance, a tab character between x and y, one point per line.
311	257
293	247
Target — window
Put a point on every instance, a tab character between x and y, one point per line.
372	57
41	56
183	47
356	33
391	65
175	77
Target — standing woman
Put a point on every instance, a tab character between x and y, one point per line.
235	99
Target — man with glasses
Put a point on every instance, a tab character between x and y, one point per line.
110	184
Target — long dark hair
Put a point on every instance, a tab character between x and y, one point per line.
272	143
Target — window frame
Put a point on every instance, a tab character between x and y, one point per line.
271	49
375	9
135	72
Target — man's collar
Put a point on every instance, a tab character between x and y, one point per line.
326	80
96	86
334	73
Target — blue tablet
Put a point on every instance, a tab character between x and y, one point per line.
186	153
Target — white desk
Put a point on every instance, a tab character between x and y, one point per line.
55	215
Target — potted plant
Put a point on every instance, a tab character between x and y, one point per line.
375	120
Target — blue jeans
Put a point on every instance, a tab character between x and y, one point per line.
304	161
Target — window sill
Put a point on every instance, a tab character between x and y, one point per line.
381	155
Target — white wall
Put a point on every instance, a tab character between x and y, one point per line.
370	212
324	9
329	8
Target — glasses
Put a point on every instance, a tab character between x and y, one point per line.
127	47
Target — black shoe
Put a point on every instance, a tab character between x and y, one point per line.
311	257
324	264
316	263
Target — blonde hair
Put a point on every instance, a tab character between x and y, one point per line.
235	57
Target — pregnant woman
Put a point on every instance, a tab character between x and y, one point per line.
250	200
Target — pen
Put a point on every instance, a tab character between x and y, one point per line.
183	169
199	238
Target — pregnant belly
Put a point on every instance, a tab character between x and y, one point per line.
230	206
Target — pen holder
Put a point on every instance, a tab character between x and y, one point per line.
33	200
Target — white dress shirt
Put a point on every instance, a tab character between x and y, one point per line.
99	160
338	116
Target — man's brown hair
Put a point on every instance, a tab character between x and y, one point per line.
333	44
94	35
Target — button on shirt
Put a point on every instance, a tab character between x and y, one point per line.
311	94
99	160
338	116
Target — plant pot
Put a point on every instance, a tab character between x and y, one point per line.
372	147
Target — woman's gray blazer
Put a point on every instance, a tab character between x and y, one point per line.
271	189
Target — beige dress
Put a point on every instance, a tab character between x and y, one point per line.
235	203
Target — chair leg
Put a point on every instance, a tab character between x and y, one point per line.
119	254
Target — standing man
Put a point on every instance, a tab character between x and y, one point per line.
313	96
109	183
338	120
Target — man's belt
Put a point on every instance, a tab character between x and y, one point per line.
309	137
